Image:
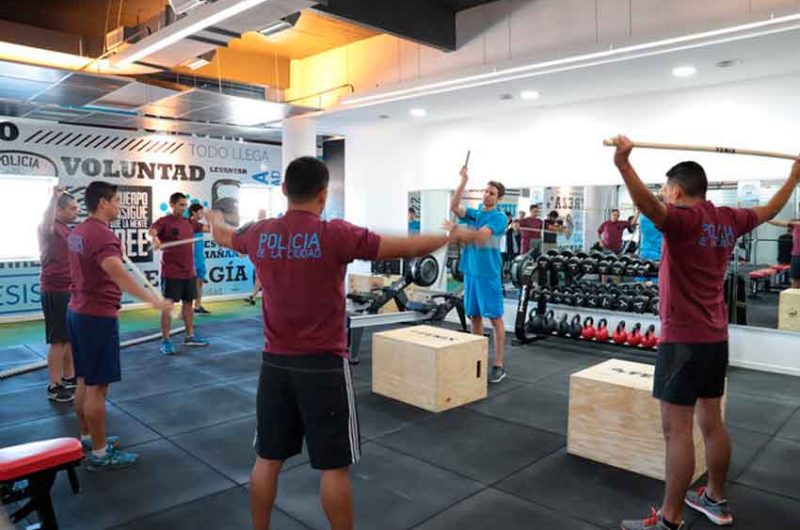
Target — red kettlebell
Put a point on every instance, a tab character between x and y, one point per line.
601	334
588	332
620	335
649	339
635	336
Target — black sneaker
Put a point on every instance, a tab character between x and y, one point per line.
497	374
59	394
202	310
250	300
69	384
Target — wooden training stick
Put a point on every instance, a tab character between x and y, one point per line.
466	162
139	274
707	149
179	242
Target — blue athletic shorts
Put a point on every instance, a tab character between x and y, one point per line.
483	297
95	348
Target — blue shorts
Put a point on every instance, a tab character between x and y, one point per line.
200	271
483	297
95	348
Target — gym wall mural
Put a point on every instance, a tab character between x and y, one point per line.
148	168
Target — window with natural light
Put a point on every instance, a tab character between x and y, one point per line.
253	199
21	216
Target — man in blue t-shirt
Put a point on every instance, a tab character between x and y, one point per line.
481	264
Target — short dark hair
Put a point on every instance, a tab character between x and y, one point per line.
64	199
691	177
553	214
501	190
98	190
615	210
534	206
175	197
412	210
196	207
305	178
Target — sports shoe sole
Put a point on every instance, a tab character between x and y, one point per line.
90	467
711	517
56	399
195	344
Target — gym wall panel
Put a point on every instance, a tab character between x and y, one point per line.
148	169
661	17
552	25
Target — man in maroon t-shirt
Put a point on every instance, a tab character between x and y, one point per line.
610	232
178	276
54	286
793	227
305	388
98	279
530	231
692	361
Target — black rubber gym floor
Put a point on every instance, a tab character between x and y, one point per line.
500	463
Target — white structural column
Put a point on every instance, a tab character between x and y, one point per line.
299	139
434	210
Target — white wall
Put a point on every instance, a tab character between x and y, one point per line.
563	145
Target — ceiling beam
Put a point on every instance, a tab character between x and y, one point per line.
425	21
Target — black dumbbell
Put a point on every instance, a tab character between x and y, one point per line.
625	302
652	305
589	264
641	302
575	263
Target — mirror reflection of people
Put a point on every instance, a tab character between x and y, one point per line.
650	237
54	283
530	231
794	227
482	265
553	226
413	221
692	361
178	276
610	232
509	247
196	213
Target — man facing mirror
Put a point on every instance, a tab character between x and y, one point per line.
794	227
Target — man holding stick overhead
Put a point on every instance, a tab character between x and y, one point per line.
98	279
178	276
305	387
482	265
693	352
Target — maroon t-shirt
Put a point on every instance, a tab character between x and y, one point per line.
301	262
177	263
55	275
611	234
698	242
796	241
532	230
93	292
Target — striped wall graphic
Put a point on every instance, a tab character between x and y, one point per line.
103	141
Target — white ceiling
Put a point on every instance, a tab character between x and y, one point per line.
760	56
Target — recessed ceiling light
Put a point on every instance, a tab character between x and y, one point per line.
383	116
418	113
728	63
684	71
529	94
506	96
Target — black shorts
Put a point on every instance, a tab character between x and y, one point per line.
686	372
95	348
795	270
307	396
179	290
54	306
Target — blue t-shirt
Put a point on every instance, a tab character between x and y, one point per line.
199	251
413	227
484	261
651	239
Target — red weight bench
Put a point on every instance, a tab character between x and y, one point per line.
760	275
27	472
783	273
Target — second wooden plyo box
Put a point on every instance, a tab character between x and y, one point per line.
429	367
614	419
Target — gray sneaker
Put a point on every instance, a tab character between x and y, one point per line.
497	374
654	522
717	512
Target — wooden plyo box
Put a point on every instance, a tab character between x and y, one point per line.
789	310
432	368
614	419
